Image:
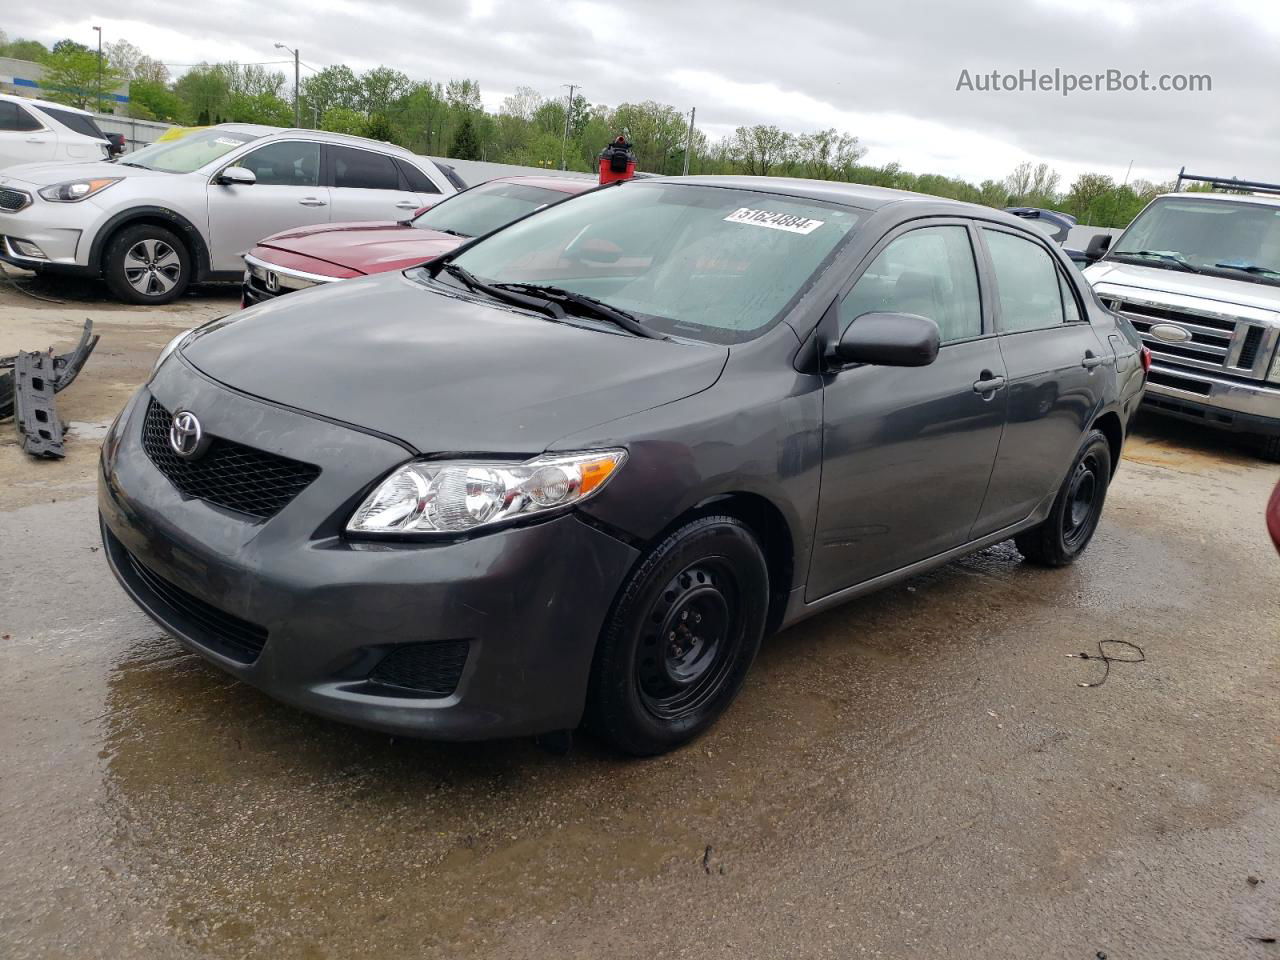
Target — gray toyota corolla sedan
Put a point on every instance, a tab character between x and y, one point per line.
574	472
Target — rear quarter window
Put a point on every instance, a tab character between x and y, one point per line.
77	122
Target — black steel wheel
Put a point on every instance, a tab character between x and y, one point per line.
683	633
1076	510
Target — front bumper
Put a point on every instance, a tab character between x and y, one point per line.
528	601
266	280
1203	397
62	231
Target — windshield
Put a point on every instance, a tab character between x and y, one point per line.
1240	240
486	208
709	263
188	153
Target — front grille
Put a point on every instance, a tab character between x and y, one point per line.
1202	387
427	669
229	474
254	290
1249	349
235	639
14	200
1212	338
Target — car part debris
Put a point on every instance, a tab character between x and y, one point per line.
1107	660
66	368
33	390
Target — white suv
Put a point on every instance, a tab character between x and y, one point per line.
33	131
187	209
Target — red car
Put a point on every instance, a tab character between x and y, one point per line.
307	256
1273	516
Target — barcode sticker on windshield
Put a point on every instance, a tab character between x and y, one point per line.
791	222
227	142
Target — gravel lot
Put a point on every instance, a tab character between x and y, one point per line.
916	774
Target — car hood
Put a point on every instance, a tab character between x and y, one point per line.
443	373
43	174
1198	285
367	247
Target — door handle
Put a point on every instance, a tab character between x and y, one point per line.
35	139
406	205
1090	360
313	202
988	384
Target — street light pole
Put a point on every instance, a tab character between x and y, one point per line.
568	110
297	83
688	142
99	29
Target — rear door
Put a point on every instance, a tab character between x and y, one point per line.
908	451
287	194
1054	362
368	185
24	138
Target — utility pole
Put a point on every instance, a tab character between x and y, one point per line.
568	111
1126	174
297	83
99	29
688	142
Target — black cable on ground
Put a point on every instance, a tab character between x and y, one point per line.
13	282
1108	659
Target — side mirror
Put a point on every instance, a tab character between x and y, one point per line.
889	340
1098	246
237	177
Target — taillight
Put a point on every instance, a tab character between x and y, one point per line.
1145	355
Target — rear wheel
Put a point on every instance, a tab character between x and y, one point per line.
1076	510
147	264
683	633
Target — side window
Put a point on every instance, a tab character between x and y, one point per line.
415	179
1070	309
1028	283
363	168
76	122
285	163
13	117
929	272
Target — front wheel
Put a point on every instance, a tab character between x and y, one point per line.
683	633
1076	510
147	264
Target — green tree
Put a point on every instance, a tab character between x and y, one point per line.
757	150
334	86
205	90
343	120
71	75
20	49
149	100
378	127
380	87
466	142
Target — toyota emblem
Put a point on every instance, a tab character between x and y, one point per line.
186	436
273	281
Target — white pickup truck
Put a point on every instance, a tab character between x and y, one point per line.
1198	275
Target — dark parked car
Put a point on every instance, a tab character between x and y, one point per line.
577	469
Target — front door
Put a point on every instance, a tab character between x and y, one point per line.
287	194
908	451
1056	368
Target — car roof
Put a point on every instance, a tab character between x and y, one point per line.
560	184
350	138
1270	199
44	104
835	191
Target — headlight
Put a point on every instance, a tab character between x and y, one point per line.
74	191
169	347
458	496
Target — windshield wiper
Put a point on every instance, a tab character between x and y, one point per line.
126	163
591	306
452	233
1176	259
473	282
1249	268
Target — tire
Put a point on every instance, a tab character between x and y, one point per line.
147	264
657	683
1268	448
1076	510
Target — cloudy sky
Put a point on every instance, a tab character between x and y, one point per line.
885	71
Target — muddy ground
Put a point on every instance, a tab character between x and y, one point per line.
918	774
